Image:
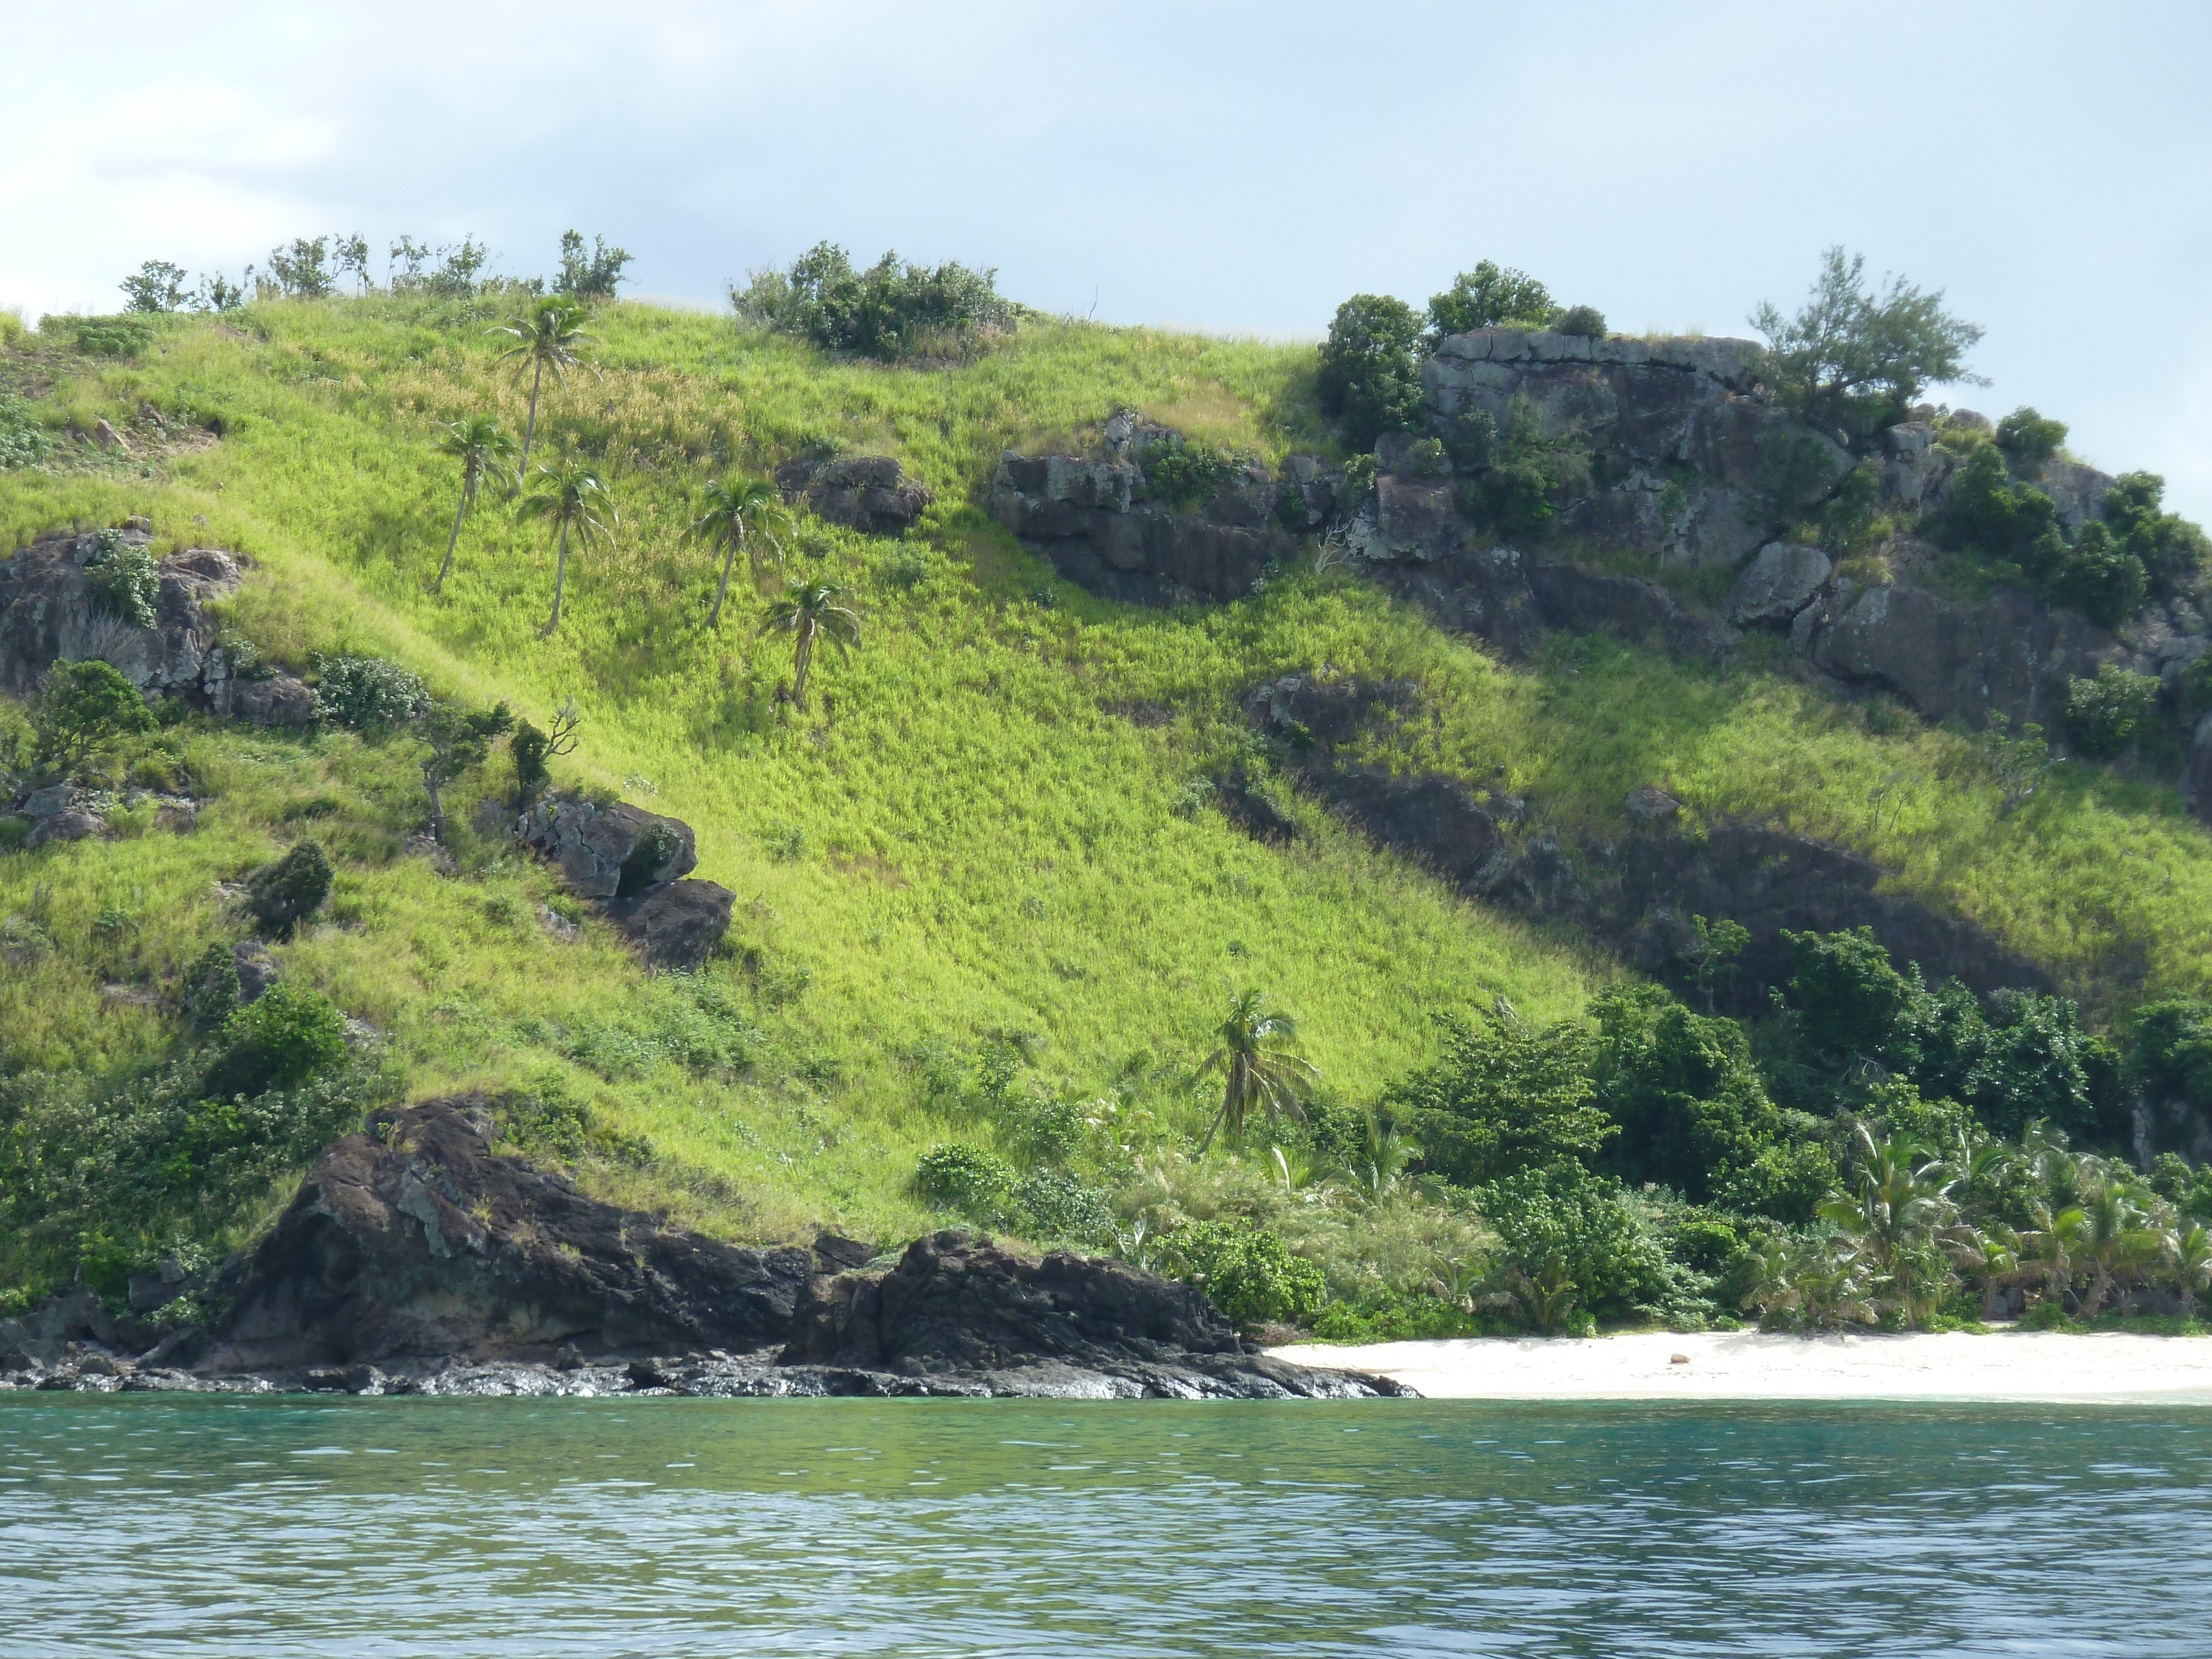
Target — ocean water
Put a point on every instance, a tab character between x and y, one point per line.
666	1529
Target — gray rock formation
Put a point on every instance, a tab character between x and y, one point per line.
1777	584
869	492
280	700
606	852
677	924
49	611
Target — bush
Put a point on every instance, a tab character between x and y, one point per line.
1503	1099
884	312
1180	475
1490	296
1371	369
2103	716
967	1178
23	440
82	709
1058	1205
156	286
124	335
1572	1249
1249	1272
279	1041
2099	577
2172	550
284	893
1850	1002
367	694
125	577
593	276
1587	320
2169	1055
1987	512
210	988
2030	439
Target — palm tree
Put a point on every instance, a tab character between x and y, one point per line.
549	338
2191	1252
1255	1069
477	442
808	611
575	498
2106	1234
733	507
1904	1196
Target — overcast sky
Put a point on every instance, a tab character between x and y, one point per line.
1238	168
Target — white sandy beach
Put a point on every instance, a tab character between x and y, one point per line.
2022	1365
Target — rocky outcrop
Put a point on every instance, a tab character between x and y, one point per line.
677	924
49	611
1785	578
870	493
635	863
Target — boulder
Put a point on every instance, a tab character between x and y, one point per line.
677	924
1652	803
1777	584
870	493
281	700
420	1240
75	824
48	611
608	852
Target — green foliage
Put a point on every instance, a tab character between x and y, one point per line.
1053	1204
2101	574
885	312
1258	1071
302	271
2030	439
1572	1250
2097	576
1586	320
23	440
123	336
1490	296
1502	1098
2104	715
594	276
967	1178
533	752
1857	356
81	710
1369	373
1248	1273
125	577
1987	512
1516	495
283	894
156	286
456	740
1398	1316
2169	1053
2171	549
211	988
1851	1003
279	1040
2020	765
1186	474
369	694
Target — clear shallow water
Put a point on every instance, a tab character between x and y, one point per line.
141	1526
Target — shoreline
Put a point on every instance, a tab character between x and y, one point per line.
2049	1367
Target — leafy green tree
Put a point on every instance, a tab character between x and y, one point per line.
1371	368
1986	511
1691	1106
1849	1002
1490	296
552	337
2030	438
1713	965
2098	576
1570	1249
157	286
588	277
572	495
1502	1098
80	710
351	258
478	442
300	271
1248	1273
2169	1052
453	740
809	612
1258	1070
369	694
1903	1196
741	513
1852	354
2104	715
278	1040
2172	550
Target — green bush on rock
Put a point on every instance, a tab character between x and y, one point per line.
1249	1272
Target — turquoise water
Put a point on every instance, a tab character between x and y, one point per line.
146	1526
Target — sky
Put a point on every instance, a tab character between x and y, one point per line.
1235	169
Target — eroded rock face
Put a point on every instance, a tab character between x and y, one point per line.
420	1240
869	492
49	611
606	852
1776	586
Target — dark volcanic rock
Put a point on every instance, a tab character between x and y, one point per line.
433	1245
608	852
48	611
677	924
861	492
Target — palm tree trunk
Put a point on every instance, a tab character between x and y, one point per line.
560	581
460	513
530	427
803	659
729	557
1218	1118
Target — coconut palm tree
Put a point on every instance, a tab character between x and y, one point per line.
735	506
550	337
1904	1197
574	497
808	611
2105	1234
2190	1253
1255	1069
478	442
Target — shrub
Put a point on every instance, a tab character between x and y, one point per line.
125	578
1042	1126
966	1178
124	335
2172	550
2099	577
1060	1205
23	440
156	286
1371	369
1581	319
1986	511
593	276
884	312
279	1041
1489	296
1570	1248
210	988
367	693
2104	715
82	709
2169	1053
659	844
1849	1002
1503	1099
2030	439
1182	475
283	894
1249	1272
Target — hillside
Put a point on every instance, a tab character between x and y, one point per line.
994	847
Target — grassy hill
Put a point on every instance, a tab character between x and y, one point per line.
984	839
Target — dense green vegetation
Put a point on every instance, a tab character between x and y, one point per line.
986	919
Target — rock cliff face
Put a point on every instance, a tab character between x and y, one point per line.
49	611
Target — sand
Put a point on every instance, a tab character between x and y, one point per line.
2022	1365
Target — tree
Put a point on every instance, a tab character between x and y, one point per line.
1503	1098
1489	295
80	709
1371	368
532	750
300	271
1904	1196
574	497
158	285
808	611
1693	1109
549	338
477	442
733	507
456	739
593	276
351	258
1256	1067
1851	354
1849	1001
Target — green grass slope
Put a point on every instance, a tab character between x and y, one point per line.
986	825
